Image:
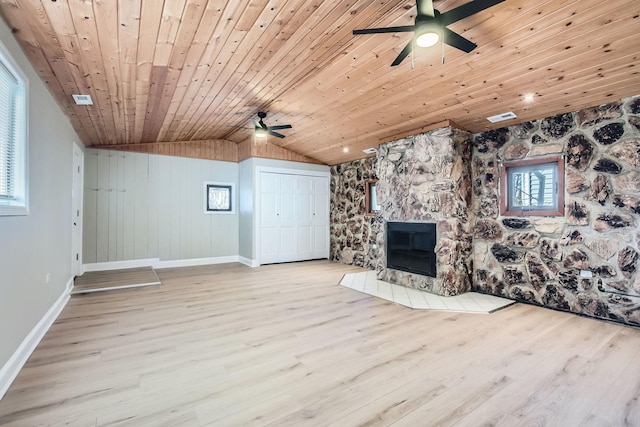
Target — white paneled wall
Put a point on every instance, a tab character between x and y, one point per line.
141	206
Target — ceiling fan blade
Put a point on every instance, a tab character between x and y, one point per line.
401	29
255	122
278	127
457	41
425	8
403	54
465	10
279	135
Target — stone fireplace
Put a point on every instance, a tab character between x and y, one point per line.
426	179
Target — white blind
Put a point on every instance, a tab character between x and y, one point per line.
533	186
9	90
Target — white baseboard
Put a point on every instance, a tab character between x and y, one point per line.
119	265
249	262
10	370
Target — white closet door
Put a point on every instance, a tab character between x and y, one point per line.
305	217
288	227
320	217
294	217
269	218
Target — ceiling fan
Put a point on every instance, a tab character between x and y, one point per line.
431	25
262	130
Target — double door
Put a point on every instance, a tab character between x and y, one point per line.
294	217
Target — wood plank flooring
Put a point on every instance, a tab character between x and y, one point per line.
284	345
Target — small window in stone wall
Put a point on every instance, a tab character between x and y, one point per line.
371	198
532	187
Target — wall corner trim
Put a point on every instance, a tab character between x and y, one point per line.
249	262
10	370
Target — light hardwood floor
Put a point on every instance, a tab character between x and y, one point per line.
228	345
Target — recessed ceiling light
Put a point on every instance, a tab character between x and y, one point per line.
528	97
345	149
82	99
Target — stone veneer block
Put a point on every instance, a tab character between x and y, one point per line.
558	126
604	248
575	182
601	113
542	150
548	225
608	134
579	151
629	181
627	152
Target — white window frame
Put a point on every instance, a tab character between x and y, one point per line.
507	173
19	203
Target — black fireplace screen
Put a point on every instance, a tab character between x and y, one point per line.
411	247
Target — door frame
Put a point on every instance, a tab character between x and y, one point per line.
258	194
77	198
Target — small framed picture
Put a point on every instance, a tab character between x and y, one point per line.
219	198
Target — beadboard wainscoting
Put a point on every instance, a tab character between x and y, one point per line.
144	206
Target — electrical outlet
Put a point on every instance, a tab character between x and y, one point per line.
47	278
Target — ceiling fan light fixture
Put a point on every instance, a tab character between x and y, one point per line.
428	38
261	133
431	27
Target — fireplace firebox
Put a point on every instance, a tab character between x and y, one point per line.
411	247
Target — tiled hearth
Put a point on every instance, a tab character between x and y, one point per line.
470	302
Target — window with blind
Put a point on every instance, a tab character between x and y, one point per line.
533	187
13	153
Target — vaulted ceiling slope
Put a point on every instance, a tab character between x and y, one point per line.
197	70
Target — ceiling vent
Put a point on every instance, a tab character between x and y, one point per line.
82	99
369	151
502	117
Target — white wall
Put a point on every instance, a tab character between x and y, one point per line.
141	206
245	234
38	244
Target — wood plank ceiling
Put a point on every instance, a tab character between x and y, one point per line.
185	77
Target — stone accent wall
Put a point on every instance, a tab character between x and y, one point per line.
352	233
538	259
427	178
